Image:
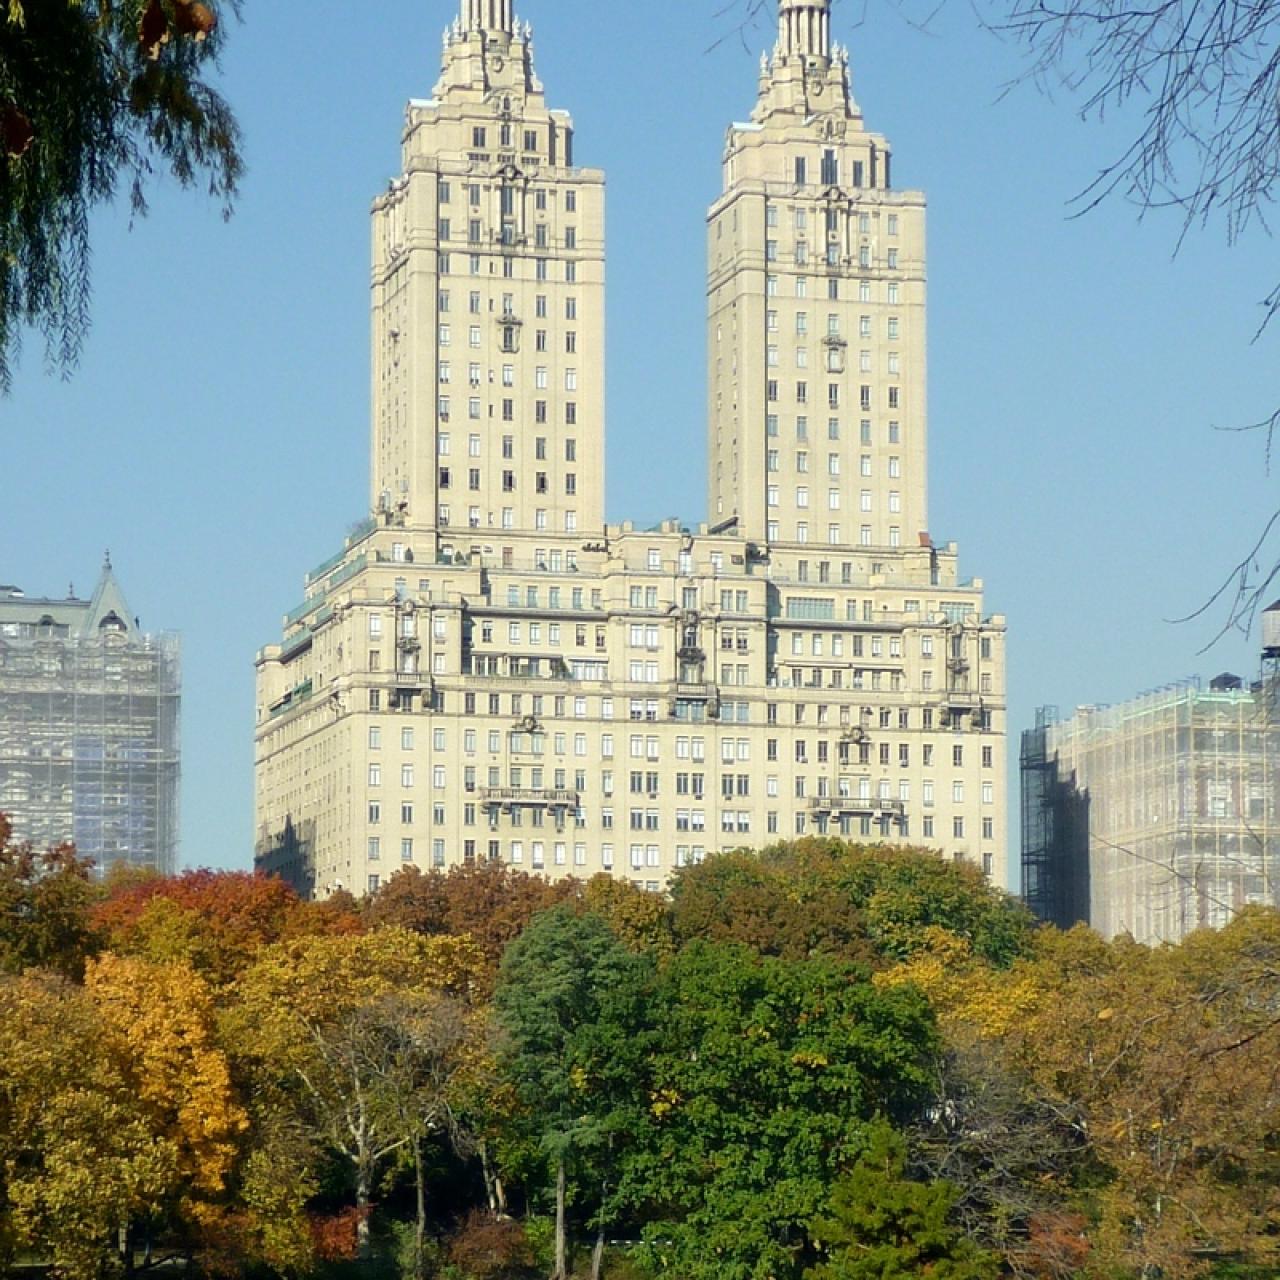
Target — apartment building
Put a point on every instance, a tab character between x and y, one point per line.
1160	815
487	670
89	709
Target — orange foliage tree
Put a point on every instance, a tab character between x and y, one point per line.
217	921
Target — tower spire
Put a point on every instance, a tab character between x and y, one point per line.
490	16
804	28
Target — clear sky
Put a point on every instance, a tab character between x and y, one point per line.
215	435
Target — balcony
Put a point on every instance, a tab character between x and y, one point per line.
704	692
536	797
859	806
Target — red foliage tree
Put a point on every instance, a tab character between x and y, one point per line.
216	920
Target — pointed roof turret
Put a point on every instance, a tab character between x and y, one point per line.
107	608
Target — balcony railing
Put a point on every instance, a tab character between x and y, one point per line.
859	805
555	798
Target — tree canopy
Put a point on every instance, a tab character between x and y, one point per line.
95	97
821	1062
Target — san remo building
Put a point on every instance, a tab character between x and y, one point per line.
487	671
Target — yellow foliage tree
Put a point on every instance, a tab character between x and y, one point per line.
1169	1057
115	1105
968	994
347	1035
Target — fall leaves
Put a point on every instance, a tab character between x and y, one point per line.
183	18
118	1106
159	23
822	1062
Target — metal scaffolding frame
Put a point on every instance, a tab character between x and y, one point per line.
1178	791
89	717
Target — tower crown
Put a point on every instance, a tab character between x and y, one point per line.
489	16
804	28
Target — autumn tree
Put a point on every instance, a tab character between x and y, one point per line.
489	902
116	1108
1168	1058
95	95
45	907
325	1036
860	902
217	921
638	918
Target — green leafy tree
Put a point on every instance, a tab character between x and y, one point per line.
867	903
763	1078
95	95
571	1002
881	1225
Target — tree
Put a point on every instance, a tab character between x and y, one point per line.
1207	144
570	1000
325	1037
638	918
864	903
1167	1059
45	901
116	1107
217	921
489	902
1200	84
94	96
421	1046
1014	1156
159	1027
882	1226
77	1154
741	897
764	1076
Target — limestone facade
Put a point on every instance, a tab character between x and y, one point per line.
488	671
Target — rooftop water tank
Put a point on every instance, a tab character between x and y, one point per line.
1271	631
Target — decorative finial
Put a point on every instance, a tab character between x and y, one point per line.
106	560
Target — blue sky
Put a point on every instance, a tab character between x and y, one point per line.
215	434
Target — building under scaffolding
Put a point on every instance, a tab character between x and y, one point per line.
1160	814
89	727
1055	831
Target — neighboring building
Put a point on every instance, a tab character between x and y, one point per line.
89	727
1158	816
486	671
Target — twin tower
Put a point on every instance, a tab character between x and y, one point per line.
488	309
487	671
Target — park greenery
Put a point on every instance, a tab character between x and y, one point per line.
824	1061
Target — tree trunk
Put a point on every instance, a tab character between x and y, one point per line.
597	1254
362	1210
561	1269
486	1169
126	1248
420	1227
495	1193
